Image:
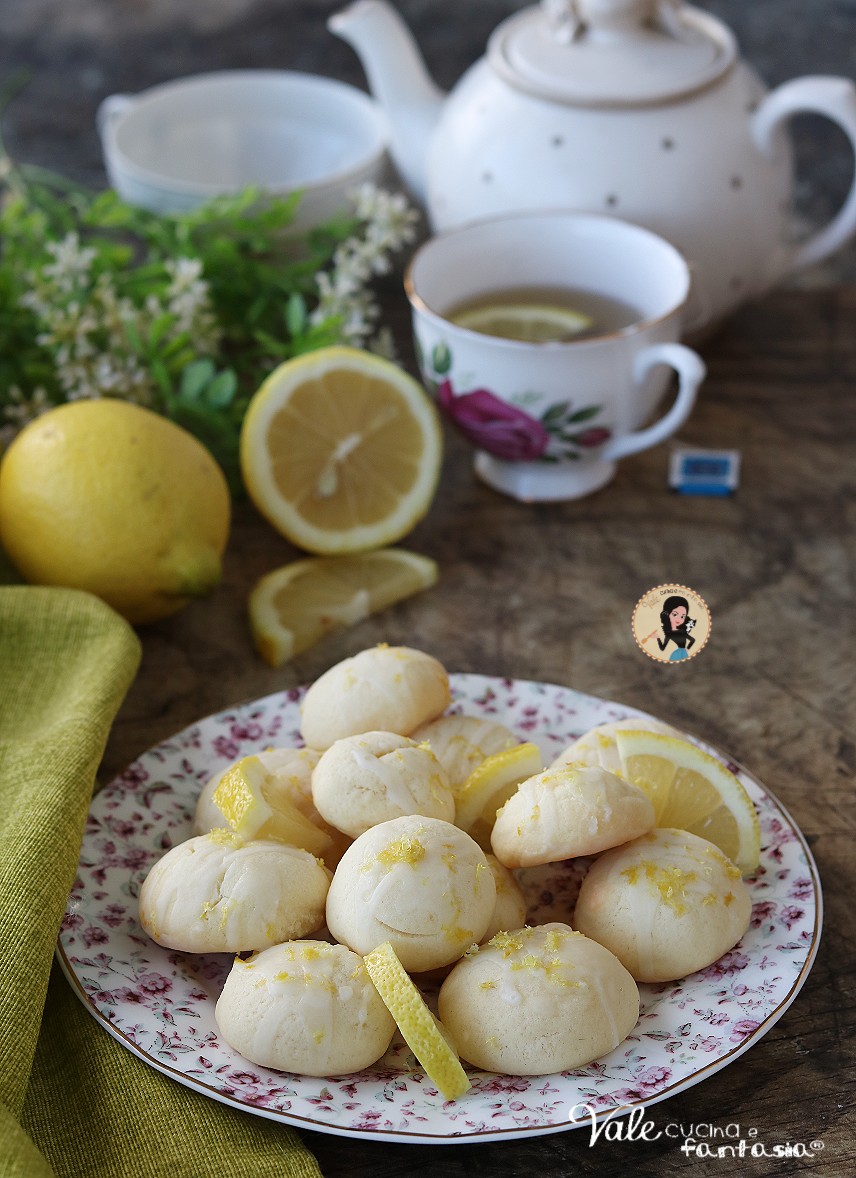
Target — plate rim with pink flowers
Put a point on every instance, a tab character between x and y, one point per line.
159	1004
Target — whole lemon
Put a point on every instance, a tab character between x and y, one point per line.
106	496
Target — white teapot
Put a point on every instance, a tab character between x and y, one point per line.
637	108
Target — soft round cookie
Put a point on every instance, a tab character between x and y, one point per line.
509	912
362	780
290	772
667	904
461	743
384	688
567	811
538	1000
305	1006
419	883
597	746
216	893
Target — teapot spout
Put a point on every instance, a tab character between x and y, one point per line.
398	79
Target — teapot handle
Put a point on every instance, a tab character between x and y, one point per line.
836	99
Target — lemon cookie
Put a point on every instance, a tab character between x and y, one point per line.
510	908
567	811
384	688
305	1006
538	1000
598	747
462	743
363	780
419	883
667	904
216	893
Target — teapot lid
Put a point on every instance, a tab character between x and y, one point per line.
611	52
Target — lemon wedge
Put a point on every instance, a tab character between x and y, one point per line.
295	605
422	1032
527	322
255	812
489	787
692	791
341	451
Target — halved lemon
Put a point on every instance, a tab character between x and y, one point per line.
295	605
529	322
421	1030
692	791
255	812
489	787
341	451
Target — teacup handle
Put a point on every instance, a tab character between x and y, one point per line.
691	371
836	99
110	109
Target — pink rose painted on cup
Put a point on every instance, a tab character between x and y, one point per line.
494	425
509	432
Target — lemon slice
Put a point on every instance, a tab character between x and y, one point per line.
341	451
692	791
491	784
529	322
254	812
421	1030
294	606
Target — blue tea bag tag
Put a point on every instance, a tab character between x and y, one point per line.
704	472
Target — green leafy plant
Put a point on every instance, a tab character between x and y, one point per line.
184	313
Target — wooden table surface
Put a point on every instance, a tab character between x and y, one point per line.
546	593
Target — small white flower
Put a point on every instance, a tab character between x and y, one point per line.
153	306
21	410
391	220
71	265
189	300
388	222
185	273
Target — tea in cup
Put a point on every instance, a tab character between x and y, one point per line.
549	340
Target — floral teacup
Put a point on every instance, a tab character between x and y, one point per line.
550	419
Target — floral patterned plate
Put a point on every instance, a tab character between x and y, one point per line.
160	1004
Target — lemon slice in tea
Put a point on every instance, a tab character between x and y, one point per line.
527	322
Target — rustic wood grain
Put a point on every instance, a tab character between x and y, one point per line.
546	592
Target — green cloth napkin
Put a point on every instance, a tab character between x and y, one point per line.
74	1102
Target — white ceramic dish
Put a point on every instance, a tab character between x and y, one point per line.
175	145
160	1004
